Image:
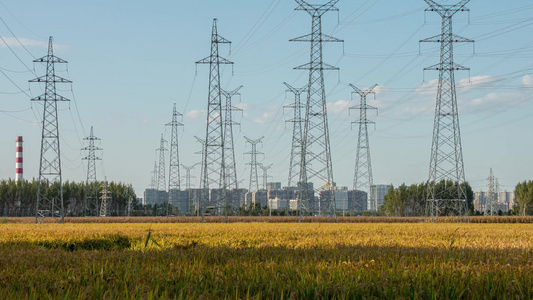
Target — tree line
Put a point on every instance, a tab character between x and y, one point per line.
18	198
410	201
524	198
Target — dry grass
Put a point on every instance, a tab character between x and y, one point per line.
266	261
473	219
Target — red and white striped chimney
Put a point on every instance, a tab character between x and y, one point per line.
18	166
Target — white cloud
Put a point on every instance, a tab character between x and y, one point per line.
527	80
12	42
244	106
339	106
264	118
427	87
195	113
472	82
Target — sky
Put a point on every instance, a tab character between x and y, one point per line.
130	61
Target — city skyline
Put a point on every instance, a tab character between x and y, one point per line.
130	62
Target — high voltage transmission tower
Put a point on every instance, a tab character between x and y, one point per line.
213	162
296	146
161	178
316	153
91	192
50	203
106	200
447	188
254	179
153	184
492	195
363	164
174	165
229	149
188	175
265	174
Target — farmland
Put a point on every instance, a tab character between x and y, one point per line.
266	260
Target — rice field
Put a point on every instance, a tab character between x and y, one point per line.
266	261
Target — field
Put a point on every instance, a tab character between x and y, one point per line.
266	260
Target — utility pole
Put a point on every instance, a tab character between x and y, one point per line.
50	203
229	149
174	166
363	164
316	153
161	180
91	192
296	146
446	188
213	164
254	179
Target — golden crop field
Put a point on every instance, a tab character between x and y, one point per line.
266	261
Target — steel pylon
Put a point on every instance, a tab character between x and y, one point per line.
213	166
296	145
50	188
446	183
363	179
316	166
91	190
174	184
492	195
106	200
161	177
229	149
254	177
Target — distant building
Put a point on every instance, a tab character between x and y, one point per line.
273	186
379	191
150	196
357	201
505	201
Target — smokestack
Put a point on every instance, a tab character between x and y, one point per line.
18	165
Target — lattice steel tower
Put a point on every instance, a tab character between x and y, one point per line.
265	174
188	175
50	200
492	195
229	149
161	178
254	179
296	145
446	183
363	180
174	165
91	192
213	166
316	156
106	200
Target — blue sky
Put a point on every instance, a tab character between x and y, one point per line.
131	60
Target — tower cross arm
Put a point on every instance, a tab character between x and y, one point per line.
55	78
446	9
219	39
454	67
51	58
229	94
44	97
363	92
323	38
213	60
317	9
322	66
454	39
